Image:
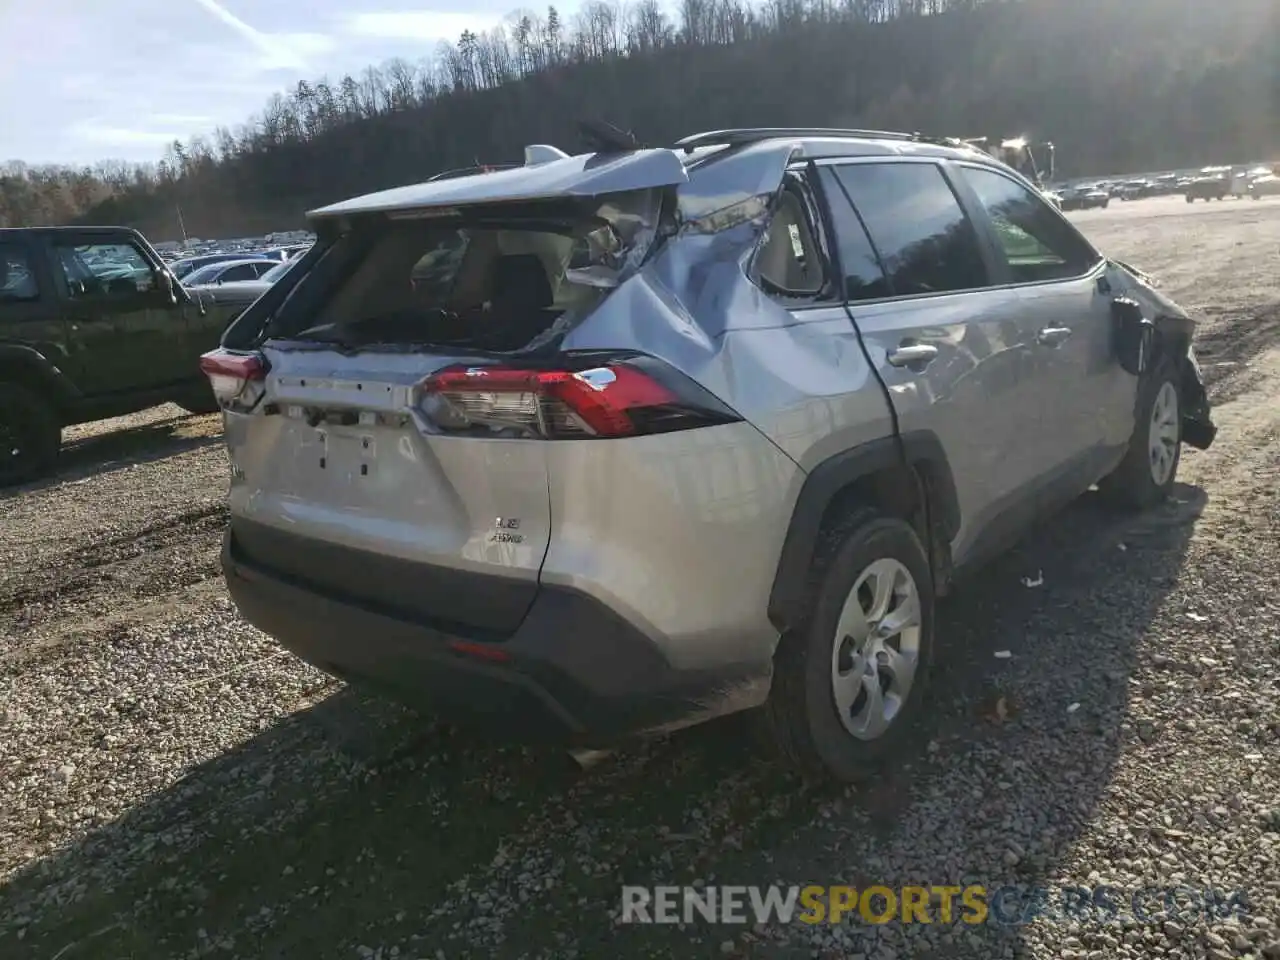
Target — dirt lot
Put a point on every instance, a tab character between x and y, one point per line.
171	785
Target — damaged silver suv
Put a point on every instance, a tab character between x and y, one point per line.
609	444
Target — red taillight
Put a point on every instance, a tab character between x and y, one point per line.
481	651
231	373
612	399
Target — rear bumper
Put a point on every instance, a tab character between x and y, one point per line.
573	672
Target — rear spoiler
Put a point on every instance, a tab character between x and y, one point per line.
468	171
547	174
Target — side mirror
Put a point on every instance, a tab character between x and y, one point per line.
1133	335
174	291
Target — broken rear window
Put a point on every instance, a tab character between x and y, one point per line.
480	278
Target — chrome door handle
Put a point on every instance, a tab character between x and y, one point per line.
912	353
1052	336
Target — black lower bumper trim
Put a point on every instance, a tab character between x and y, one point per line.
489	606
573	672
1198	433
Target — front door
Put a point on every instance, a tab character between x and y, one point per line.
1066	301
125	333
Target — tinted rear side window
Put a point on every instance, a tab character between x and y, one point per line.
863	278
17	279
242	272
925	241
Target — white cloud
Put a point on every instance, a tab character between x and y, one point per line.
82	81
95	132
184	120
277	54
416	24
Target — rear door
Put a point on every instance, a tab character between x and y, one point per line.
1062	283
125	332
954	352
30	312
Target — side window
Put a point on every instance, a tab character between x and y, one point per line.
925	241
863	277
243	271
104	270
1038	244
17	281
788	263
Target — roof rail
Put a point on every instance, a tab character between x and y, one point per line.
468	171
737	137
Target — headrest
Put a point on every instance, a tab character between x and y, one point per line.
520	280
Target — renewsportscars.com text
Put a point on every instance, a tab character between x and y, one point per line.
941	904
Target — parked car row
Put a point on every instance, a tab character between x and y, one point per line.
1086	197
248	263
1208	183
241	290
1218	183
1265	185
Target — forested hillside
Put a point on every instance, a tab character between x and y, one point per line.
1116	84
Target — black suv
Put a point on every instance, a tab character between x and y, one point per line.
92	325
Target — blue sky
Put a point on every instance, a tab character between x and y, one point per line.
87	80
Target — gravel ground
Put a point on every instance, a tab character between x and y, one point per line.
171	785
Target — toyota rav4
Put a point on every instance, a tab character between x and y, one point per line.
609	444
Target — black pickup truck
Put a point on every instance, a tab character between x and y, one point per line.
92	325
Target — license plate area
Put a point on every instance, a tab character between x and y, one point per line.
348	455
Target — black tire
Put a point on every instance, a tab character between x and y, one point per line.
1133	484
30	434
198	400
801	716
1190	199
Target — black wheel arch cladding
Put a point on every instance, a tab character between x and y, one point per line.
25	365
919	450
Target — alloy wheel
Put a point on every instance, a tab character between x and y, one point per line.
876	649
1162	434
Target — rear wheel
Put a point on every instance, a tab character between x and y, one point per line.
30	434
1190	199
198	400
1146	475
849	685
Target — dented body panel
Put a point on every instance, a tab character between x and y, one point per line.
1176	329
